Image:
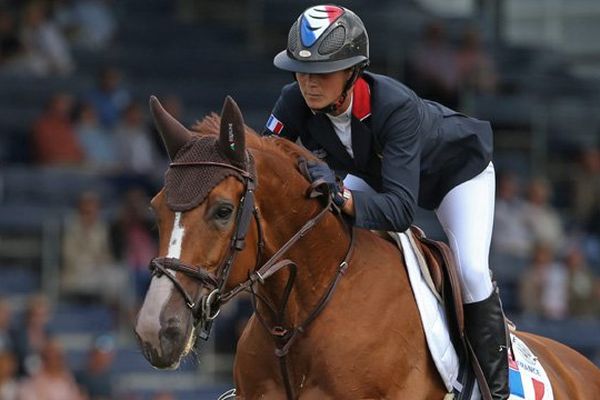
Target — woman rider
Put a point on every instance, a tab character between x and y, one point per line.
396	151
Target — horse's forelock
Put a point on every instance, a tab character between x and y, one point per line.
211	124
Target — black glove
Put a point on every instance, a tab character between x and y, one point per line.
321	171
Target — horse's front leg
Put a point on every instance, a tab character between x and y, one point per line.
255	371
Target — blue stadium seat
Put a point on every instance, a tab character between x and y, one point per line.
79	318
18	280
130	359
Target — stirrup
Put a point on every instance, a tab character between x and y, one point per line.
230	394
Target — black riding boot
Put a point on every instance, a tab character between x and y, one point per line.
486	331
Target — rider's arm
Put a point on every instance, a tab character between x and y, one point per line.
394	208
280	122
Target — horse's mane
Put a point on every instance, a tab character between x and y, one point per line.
211	124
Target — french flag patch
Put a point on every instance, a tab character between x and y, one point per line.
274	125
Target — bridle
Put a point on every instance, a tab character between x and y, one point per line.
208	306
206	309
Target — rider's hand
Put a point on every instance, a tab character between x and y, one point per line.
321	171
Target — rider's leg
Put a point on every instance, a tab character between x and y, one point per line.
466	214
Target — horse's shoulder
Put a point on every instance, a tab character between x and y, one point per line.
379	240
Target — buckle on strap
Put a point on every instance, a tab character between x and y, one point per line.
279	331
207	305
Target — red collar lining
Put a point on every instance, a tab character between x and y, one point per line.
361	104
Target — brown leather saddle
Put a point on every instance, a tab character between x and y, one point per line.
445	277
444	274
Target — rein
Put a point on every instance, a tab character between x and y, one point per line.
207	308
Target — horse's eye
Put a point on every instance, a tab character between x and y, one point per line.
223	212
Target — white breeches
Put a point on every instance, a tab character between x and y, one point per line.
466	214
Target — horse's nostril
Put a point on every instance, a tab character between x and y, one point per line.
147	349
172	334
173	321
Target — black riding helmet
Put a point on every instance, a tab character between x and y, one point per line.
325	38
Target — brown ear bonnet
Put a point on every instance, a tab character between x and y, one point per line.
195	169
187	186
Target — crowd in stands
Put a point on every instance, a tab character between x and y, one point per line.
554	254
33	363
103	130
445	72
37	38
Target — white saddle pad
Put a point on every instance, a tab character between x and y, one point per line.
527	378
433	316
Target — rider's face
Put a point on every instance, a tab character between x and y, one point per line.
320	90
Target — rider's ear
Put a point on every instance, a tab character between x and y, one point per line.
173	134
232	139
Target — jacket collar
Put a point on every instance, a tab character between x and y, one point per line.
361	131
361	106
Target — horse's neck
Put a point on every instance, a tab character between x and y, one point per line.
317	257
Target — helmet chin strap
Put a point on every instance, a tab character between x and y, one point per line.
334	106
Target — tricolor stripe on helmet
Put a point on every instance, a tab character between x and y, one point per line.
315	21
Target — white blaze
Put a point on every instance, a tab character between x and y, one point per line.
176	237
148	324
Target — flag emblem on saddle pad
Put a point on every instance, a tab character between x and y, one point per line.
315	21
274	125
526	377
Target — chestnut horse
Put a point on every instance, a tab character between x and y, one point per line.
338	322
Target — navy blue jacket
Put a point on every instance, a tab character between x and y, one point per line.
410	150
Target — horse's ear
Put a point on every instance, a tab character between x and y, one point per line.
232	139
173	134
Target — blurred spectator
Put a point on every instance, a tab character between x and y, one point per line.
89	270
9	42
44	41
136	151
586	187
31	334
544	286
54	138
53	381
97	142
581	284
12	52
476	69
91	22
434	68
109	98
133	239
8	379
5	320
511	236
541	218
96	379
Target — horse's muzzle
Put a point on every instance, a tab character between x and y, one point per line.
172	340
